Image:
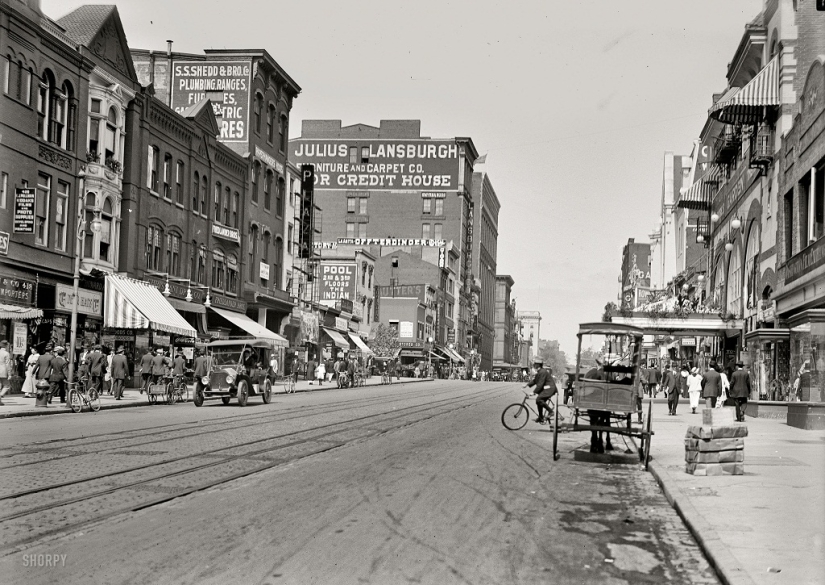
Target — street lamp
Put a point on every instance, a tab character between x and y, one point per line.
429	354
95	226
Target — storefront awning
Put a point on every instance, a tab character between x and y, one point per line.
768	334
359	344
252	327
187	306
16	313
746	105
454	355
336	338
414	353
133	304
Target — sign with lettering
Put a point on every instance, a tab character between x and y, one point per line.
228	303
337	281
405	329
340	323
21	333
192	80
805	261
387	242
24	210
16	291
178	291
442	257
433	195
380	163
5	238
264	270
268	159
89	302
227	233
402	291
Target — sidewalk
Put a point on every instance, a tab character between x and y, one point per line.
764	527
18	405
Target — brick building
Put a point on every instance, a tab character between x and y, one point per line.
253	98
505	350
635	271
485	262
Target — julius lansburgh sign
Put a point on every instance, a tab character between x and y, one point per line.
380	164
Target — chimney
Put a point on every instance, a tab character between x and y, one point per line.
168	48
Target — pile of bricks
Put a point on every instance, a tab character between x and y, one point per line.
718	446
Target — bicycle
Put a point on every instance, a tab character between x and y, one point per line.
517	415
177	390
386	378
80	395
288	381
343	380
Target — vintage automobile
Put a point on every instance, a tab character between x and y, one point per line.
238	368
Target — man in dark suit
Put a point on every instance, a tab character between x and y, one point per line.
96	362
59	371
146	370
670	384
711	385
160	366
545	389
740	389
120	372
201	365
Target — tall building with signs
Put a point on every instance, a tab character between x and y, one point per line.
252	97
635	277
390	191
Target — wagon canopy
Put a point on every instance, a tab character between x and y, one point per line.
607	328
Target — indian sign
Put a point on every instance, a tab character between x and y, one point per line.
380	164
337	281
193	80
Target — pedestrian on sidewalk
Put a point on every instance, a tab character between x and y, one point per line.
42	370
31	363
119	372
711	385
5	369
59	373
107	377
321	373
670	384
740	389
694	389
96	362
146	370
723	396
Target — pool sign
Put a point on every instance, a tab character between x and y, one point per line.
337	281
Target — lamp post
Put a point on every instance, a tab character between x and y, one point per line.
429	354
94	226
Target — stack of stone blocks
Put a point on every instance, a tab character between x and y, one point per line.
718	446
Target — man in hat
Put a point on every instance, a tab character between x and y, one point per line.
740	389
146	369
201	365
160	365
96	363
59	371
545	389
670	384
711	385
119	372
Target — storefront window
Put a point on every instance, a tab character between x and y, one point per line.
734	286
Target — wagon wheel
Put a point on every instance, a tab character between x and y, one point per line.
267	393
649	434
556	455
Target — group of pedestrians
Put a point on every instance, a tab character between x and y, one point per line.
717	387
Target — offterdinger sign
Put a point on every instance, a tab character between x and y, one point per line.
380	164
337	281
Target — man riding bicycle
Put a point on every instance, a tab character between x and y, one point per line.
545	389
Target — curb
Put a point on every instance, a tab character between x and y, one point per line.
67	410
726	567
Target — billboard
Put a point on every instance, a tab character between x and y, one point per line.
337	281
380	164
193	80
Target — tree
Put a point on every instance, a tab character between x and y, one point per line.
384	340
554	358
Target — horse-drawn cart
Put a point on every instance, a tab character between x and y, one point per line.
609	392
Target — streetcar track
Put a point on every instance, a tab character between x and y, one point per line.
211	452
140	434
173	493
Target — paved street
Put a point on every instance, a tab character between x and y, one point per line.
374	485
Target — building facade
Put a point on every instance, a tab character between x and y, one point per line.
505	348
485	258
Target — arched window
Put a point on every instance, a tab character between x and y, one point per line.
179	174
154	239
218	267
270	124
236	203
734	284
204	191
71	116
227	197
202	265
268	189
282	124
152	169
259	104
279	262
173	254
45	106
279	197
196	186
232	274
217	215
18	80
253	251
110	138
265	247
750	271
256	173
89	236
106	228
167	176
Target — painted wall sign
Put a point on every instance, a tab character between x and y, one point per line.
228	303
380	164
268	159
5	238
402	291
17	291
24	210
89	302
227	233
192	80
388	242
337	281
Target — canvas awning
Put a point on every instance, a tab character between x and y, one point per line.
134	304
697	197
454	355
746	105
253	328
16	313
336	338
359	344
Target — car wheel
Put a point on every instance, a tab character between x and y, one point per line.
267	393
198	397
243	392
226	399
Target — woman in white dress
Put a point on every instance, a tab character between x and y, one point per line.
320	371
29	390
694	389
720	402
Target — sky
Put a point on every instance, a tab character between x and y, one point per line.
574	103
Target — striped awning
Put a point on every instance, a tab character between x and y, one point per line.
253	328
746	105
695	197
133	304
16	313
454	355
359	344
336	338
